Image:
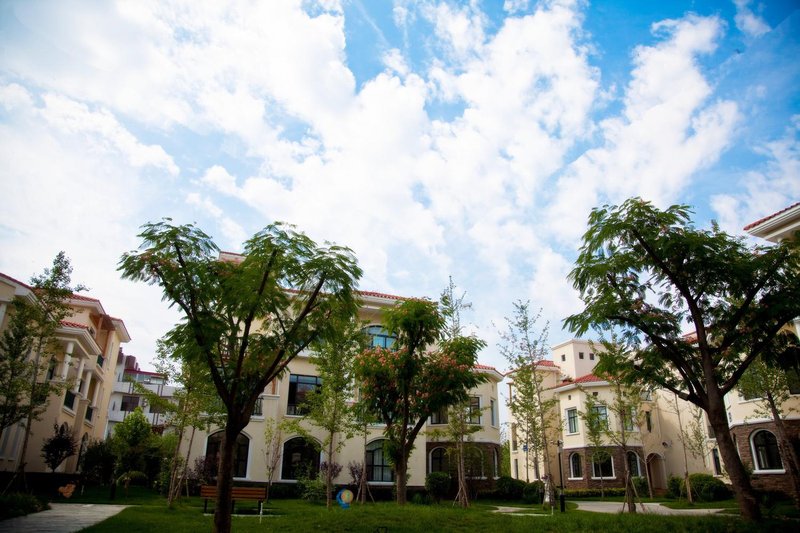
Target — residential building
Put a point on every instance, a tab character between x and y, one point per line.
127	393
89	340
284	399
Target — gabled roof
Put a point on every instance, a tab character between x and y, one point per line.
68	324
588	378
770	217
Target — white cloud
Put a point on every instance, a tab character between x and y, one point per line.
103	130
667	131
748	22
767	189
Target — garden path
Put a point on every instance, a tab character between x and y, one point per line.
61	518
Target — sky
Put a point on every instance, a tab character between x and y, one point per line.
434	138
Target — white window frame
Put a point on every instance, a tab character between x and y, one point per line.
572	475
613	470
756	469
577	422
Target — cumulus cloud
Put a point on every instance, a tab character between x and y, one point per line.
767	189
748	22
669	128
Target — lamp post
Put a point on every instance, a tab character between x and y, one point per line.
561	501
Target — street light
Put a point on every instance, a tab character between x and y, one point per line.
561	501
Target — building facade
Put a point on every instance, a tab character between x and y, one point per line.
283	399
89	340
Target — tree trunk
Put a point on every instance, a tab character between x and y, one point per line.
745	495
463	496
328	475
174	488
223	511
401	472
789	451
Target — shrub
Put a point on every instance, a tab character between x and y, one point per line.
437	484
311	489
509	488
97	463
18	504
533	492
676	487
640	484
283	491
707	488
420	498
591	493
60	445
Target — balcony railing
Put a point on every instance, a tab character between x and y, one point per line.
69	400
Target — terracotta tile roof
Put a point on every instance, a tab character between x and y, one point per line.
381	295
546	362
83	298
588	378
14	280
69	324
769	217
485	367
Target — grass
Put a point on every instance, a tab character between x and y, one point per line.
151	514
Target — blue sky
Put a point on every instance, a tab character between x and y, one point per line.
434	138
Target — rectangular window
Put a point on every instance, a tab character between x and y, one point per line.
299	388
493	412
516	468
591	356
572	420
258	407
710	431
474	410
580	355
629	420
440	416
793	380
602	414
513	437
717	464
648	420
563	357
603	469
129	403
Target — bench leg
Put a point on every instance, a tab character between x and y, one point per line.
205	506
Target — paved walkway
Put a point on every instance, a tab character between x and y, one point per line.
646	508
61	518
613	507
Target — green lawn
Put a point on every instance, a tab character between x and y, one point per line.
294	515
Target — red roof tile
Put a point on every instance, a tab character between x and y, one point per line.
14	280
69	324
546	362
769	217
588	378
485	367
84	298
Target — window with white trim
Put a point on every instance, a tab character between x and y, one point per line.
572	420
575	466
603	469
634	466
766	454
474	410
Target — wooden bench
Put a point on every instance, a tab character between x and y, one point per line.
259	494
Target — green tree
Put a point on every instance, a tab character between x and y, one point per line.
29	346
406	384
648	273
59	446
624	407
769	386
132	441
193	406
330	406
595	423
244	319
524	347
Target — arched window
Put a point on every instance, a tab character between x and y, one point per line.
575	466
439	460
765	451
380	337
473	463
300	457
240	453
378	467
496	463
633	464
